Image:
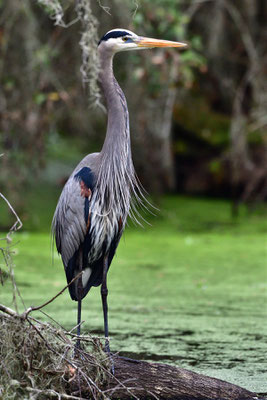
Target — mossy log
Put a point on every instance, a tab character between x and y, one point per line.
160	381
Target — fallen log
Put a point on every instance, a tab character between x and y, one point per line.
160	381
134	379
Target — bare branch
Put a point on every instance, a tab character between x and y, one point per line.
7	253
18	221
29	310
8	311
52	393
244	32
104	8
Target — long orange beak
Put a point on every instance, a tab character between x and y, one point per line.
149	43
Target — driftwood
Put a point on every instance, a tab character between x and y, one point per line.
143	380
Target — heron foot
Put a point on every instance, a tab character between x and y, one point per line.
77	349
107	350
77	346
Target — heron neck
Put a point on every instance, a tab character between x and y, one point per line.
118	133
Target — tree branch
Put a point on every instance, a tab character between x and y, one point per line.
8	311
29	310
18	221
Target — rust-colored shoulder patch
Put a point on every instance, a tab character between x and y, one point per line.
85	191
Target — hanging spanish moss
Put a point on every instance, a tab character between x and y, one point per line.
88	42
55	11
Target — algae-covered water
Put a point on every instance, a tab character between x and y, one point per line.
191	290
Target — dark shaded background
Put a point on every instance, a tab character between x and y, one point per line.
198	118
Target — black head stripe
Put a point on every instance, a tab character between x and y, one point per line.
114	35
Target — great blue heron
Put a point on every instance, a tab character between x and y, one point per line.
94	204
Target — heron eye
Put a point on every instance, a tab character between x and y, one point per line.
125	38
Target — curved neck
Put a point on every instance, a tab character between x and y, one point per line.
118	132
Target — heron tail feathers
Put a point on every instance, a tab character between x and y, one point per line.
92	276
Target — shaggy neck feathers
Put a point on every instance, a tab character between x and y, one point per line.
116	176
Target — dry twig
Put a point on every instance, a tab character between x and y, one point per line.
30	309
7	254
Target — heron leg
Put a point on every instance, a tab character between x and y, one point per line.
79	313
104	295
79	296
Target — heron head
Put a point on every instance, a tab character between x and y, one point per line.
122	40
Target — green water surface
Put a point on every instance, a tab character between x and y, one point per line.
190	290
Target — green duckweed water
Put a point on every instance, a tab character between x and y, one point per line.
191	291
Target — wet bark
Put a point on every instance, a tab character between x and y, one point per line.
160	381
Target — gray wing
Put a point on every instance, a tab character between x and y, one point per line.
69	226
